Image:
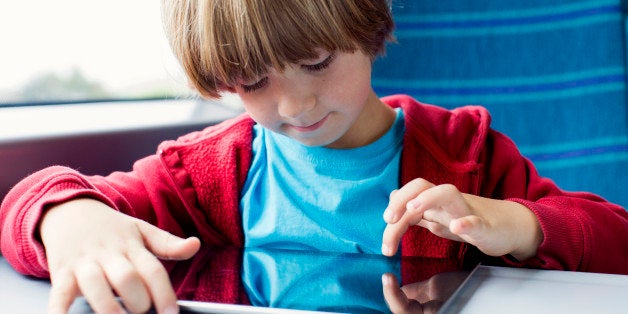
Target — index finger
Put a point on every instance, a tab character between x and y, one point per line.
156	279
394	232
398	215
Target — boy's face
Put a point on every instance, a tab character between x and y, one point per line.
327	101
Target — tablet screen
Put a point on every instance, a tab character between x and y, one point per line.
256	280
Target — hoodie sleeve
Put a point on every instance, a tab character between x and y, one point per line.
147	192
582	231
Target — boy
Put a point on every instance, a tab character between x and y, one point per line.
311	165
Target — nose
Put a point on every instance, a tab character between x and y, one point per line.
297	96
295	104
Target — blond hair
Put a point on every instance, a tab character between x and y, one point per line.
221	42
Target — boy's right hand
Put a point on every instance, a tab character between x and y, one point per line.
96	251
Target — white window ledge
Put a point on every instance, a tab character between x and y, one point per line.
39	122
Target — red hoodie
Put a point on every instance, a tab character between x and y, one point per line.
192	187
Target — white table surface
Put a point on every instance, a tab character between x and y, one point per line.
21	294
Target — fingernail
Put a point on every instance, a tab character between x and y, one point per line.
388	215
386	250
386	280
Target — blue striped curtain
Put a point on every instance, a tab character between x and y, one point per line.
551	72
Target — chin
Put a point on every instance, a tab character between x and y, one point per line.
312	142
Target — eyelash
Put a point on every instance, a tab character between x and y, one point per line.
309	67
319	66
255	86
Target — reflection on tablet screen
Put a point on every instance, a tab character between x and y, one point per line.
256	280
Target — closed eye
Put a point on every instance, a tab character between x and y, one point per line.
255	86
319	66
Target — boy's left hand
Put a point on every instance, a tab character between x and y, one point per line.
495	227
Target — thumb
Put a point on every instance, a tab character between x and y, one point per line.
469	228
166	245
473	230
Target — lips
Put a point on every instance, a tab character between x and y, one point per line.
311	127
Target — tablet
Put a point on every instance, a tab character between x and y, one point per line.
255	280
491	289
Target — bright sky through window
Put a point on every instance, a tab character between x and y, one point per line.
116	45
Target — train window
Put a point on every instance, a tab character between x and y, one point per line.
79	51
92	85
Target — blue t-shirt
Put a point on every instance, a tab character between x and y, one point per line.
302	197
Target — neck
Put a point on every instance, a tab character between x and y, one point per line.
372	123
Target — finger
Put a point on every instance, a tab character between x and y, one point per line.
392	237
95	288
400	198
439	230
441	204
389	214
125	279
166	245
156	280
396	299
395	231
62	293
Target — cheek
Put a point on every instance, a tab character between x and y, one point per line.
261	111
353	79
350	90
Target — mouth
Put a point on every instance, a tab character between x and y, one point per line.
311	127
